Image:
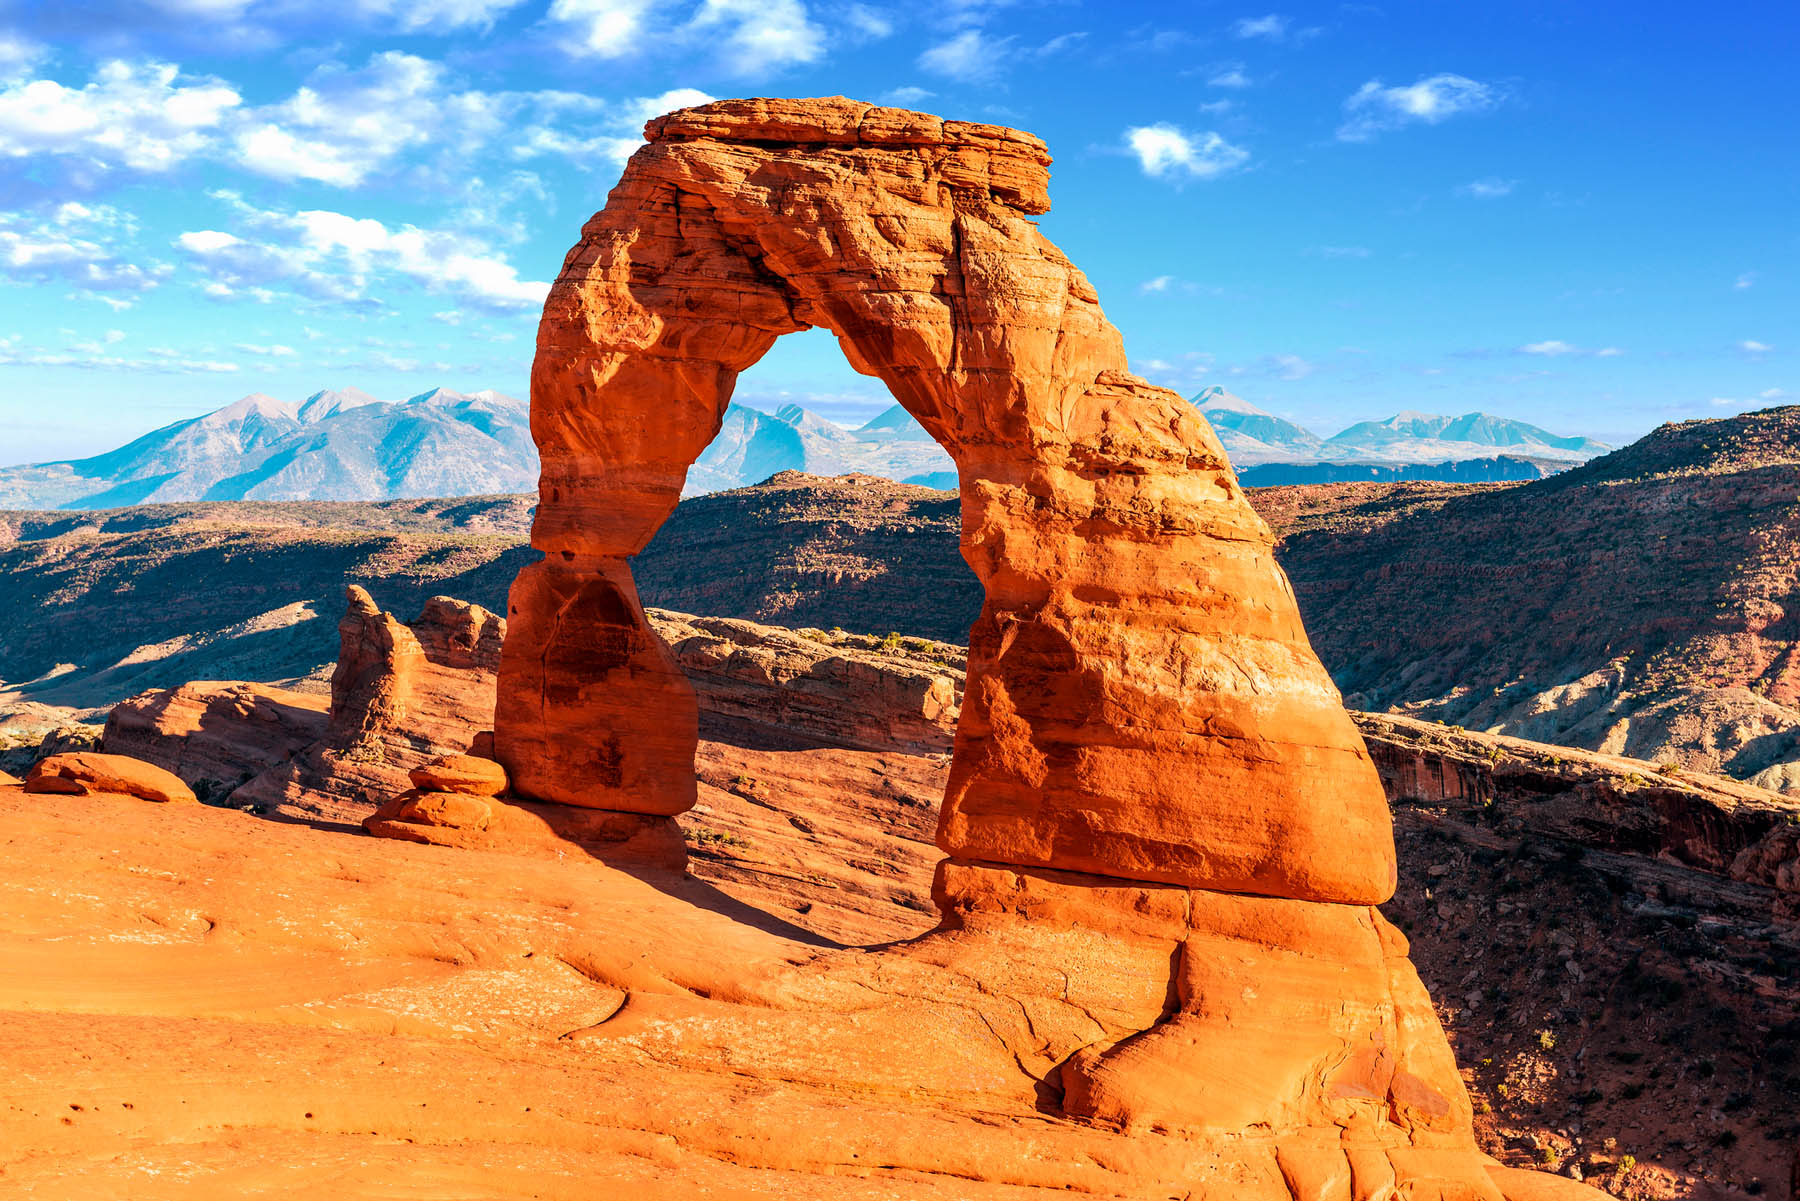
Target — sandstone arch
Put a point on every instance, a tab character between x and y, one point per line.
1142	704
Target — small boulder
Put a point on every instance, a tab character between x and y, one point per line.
82	772
465	774
444	809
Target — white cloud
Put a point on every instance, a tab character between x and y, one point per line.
1746	279
1159	284
1165	151
1227	75
18	56
1290	366
749	37
605	28
89	357
430	16
131	115
1555	348
758	36
1374	108
332	256
619	138
906	96
1752	346
345	125
1491	188
1342	252
276	351
1271	28
81	245
971	56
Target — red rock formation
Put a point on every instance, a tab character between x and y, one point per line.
762	681
216	735
1165	832
81	772
1142	701
401	696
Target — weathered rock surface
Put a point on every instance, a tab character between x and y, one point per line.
466	774
1139	683
1607	802
81	772
762	682
402	695
1641	604
1165	834
216	735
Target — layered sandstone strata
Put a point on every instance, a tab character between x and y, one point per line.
1142	701
216	735
402	695
1165	833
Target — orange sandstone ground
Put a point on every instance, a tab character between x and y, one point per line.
197	1002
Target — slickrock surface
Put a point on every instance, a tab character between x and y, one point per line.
216	735
79	773
1165	834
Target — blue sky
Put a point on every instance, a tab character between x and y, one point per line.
1581	215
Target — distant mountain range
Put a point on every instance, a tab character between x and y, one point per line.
335	446
1473	448
347	445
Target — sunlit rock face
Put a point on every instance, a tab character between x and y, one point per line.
1142	699
1164	833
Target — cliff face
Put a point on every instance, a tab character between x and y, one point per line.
1645	604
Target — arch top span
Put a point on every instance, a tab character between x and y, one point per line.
1142	700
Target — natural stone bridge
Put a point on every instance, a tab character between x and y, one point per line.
1152	773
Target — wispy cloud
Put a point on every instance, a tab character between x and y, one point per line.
1491	188
1270	28
971	56
1556	348
1227	75
85	246
747	37
1340	252
335	257
1746	279
143	116
1166	151
1375	108
1752	346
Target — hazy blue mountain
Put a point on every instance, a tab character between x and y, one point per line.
1252	435
1416	436
1409	445
347	445
893	423
336	446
